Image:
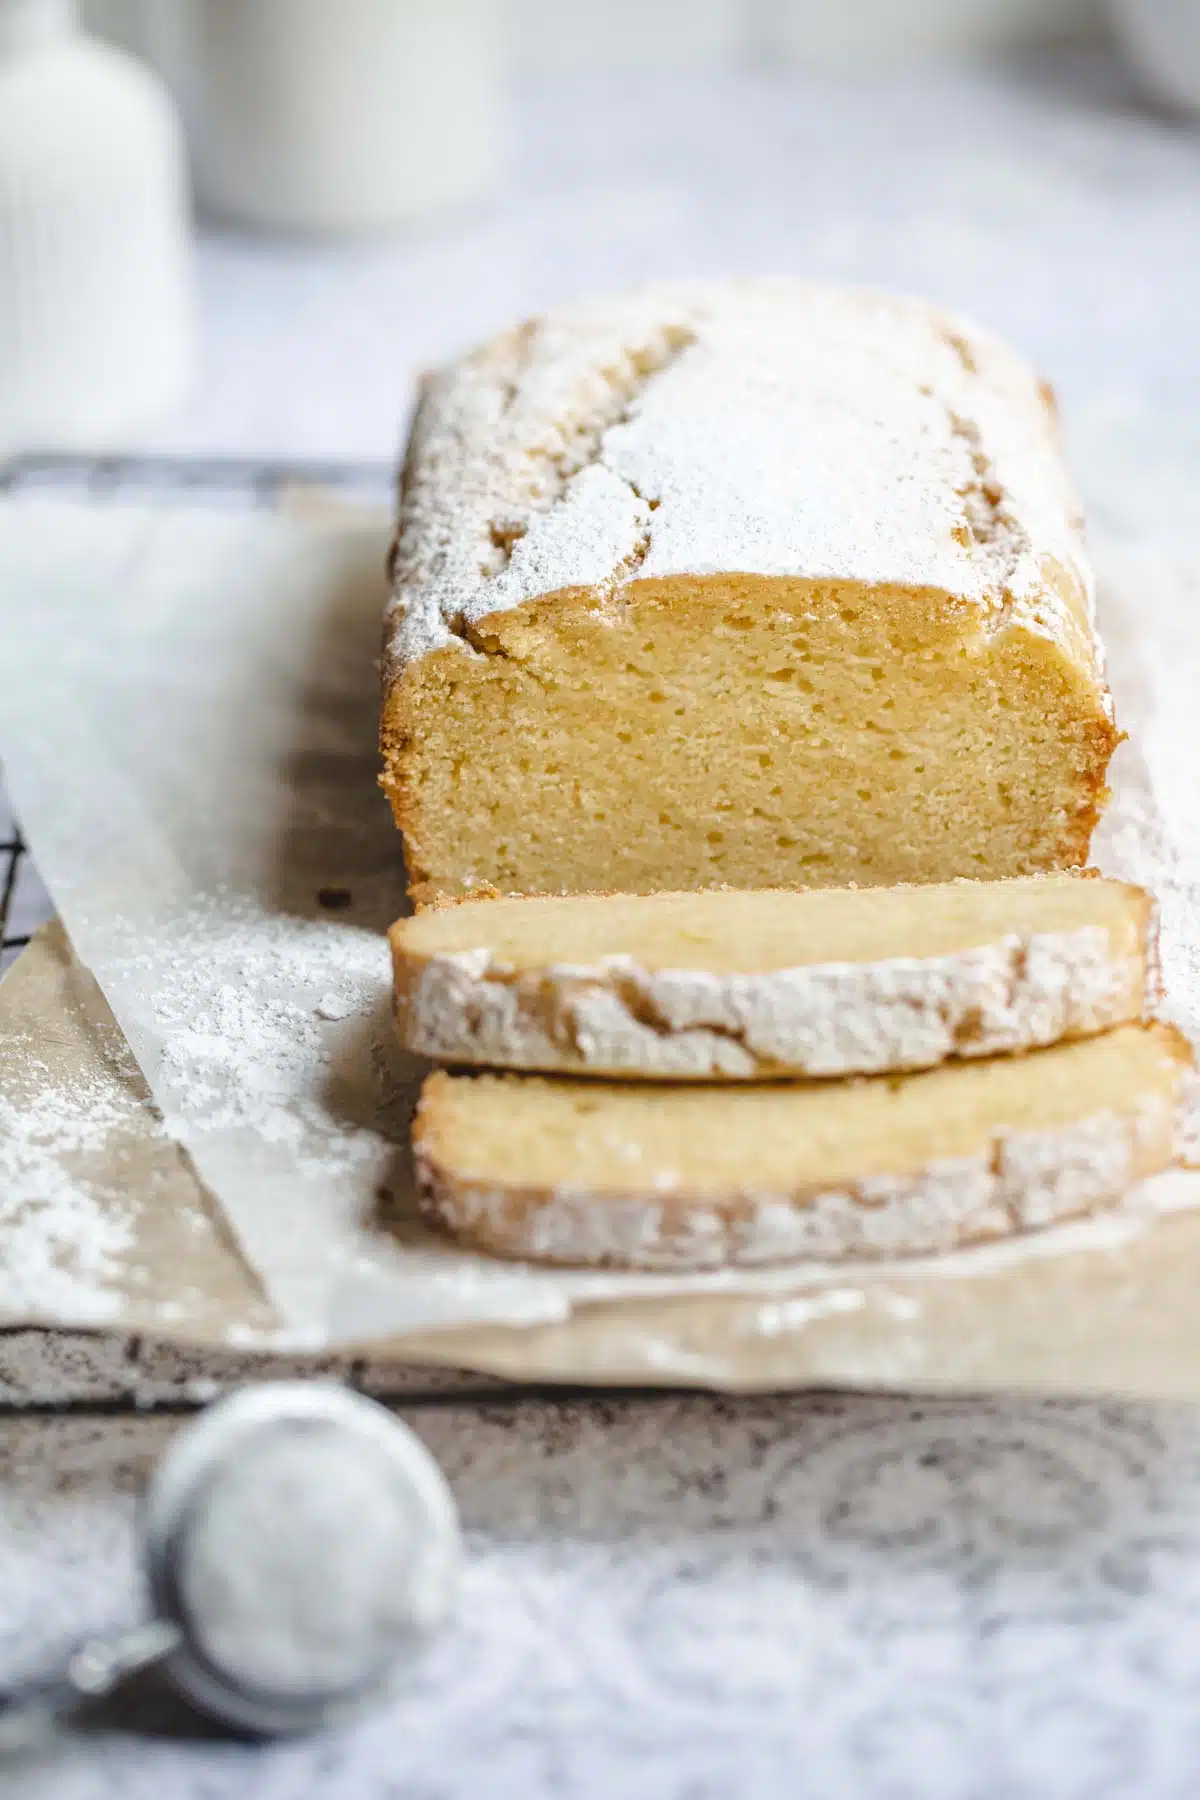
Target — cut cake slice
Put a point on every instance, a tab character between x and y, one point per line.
682	1177
738	985
739	584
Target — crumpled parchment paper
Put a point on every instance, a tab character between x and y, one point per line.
187	714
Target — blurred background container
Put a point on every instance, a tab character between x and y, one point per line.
873	28
382	181
553	35
96	327
354	116
1162	38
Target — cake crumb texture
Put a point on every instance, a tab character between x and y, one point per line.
751	584
736	985
680	1177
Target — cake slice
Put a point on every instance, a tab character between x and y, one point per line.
636	1176
739	583
737	985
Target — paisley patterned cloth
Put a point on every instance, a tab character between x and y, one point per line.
691	1598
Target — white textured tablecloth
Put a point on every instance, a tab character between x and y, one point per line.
692	1599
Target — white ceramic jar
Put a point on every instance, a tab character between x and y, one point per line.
340	115
96	319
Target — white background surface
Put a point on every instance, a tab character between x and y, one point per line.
694	1599
1041	196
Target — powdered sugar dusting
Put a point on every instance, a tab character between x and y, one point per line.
1024	1180
254	1022
1018	992
66	1231
775	428
1151	831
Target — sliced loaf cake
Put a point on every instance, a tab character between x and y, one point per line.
683	1177
743	583
735	985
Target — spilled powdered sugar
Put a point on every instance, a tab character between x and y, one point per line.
1150	833
253	1029
66	1230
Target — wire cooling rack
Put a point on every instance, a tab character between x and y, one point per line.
148	481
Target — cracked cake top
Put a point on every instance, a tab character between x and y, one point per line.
767	427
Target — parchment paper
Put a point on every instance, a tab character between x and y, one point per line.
188	728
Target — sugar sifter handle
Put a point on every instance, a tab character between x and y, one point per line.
30	1711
